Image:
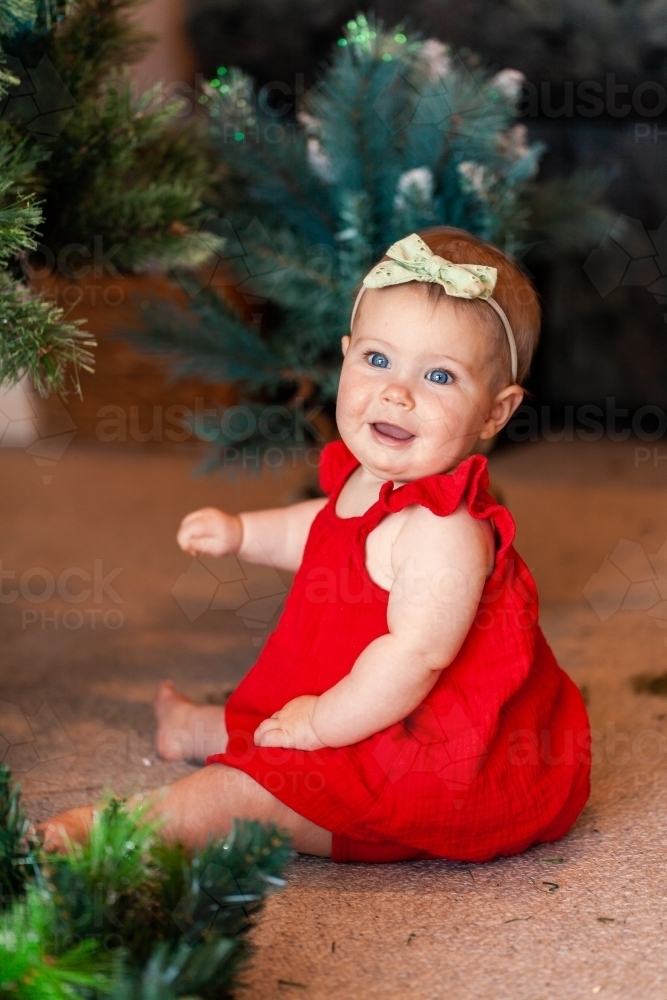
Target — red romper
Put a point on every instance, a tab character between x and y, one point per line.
496	757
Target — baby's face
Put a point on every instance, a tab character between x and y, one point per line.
417	386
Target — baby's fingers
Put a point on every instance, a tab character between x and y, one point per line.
196	537
271	734
185	537
199	515
263	728
195	543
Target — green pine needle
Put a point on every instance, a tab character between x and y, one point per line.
127	914
29	970
17	858
123	178
37	341
14	13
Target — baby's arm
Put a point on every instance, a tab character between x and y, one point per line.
275	537
440	565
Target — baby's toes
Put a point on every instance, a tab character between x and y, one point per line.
69	827
54	837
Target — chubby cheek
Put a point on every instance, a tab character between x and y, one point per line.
354	396
448	418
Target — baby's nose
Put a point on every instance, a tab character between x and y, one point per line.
398	393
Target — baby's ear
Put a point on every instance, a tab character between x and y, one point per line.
345	343
504	405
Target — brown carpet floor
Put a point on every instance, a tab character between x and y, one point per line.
90	624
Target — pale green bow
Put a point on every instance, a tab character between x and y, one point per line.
412	260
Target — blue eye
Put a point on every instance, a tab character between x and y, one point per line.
440	376
379	360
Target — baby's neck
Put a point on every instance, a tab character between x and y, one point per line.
370	479
359	492
362	489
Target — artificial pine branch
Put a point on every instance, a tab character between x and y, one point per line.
126	174
124	178
14	13
98	886
126	914
246	356
127	177
34	337
17	848
30	970
92	40
36	340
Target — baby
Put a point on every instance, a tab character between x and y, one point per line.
407	704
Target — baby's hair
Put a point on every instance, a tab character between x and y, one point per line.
514	291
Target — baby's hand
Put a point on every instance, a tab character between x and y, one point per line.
291	726
210	531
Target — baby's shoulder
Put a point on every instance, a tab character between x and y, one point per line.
417	534
420	527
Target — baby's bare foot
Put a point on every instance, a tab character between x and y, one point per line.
173	711
69	827
187	731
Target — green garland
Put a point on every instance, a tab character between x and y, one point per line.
126	915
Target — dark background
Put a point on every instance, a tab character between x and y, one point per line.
592	347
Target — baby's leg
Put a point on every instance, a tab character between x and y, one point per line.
202	806
187	731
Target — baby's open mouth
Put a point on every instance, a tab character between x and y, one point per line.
392	431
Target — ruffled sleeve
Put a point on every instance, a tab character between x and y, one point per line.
336	464
443	493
